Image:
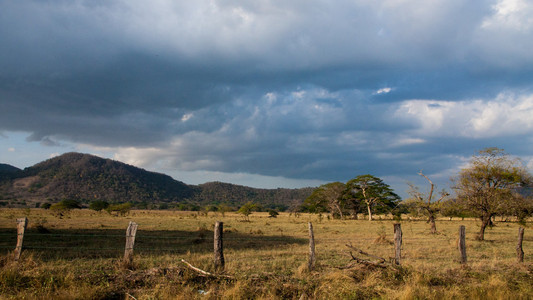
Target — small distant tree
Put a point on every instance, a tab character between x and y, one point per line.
272	213
65	205
119	209
373	192
223	209
99	205
451	208
46	205
246	210
489	184
426	202
520	206
327	197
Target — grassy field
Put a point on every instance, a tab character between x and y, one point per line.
78	255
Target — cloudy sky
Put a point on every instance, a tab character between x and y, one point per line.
268	93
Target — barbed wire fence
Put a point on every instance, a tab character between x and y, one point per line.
109	244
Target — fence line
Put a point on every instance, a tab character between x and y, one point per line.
218	238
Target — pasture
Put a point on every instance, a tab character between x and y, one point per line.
79	255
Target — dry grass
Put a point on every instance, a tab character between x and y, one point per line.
266	256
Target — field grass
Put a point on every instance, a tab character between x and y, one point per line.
78	255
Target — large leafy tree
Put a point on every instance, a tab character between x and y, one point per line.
490	184
372	192
327	197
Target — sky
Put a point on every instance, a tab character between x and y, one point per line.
268	93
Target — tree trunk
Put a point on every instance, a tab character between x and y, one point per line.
485	221
340	211
433	225
369	212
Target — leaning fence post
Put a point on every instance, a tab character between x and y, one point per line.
519	249
397	243
130	241
21	228
312	257
462	244
218	245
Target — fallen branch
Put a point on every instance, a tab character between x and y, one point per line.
127	294
205	273
381	262
365	253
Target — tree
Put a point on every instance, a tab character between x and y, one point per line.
120	209
489	184
65	205
327	197
246	210
272	213
373	192
426	203
223	209
453	208
98	205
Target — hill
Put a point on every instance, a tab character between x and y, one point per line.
236	195
86	178
8	168
8	171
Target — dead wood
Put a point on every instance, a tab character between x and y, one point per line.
205	273
380	261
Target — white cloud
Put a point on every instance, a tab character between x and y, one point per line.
383	91
507	114
186	117
511	14
11	149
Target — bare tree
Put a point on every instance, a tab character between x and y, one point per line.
425	202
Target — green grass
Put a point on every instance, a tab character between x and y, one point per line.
80	257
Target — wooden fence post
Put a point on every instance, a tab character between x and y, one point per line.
219	245
519	249
21	228
397	243
462	244
130	241
312	257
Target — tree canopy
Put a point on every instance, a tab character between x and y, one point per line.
372	192
490	184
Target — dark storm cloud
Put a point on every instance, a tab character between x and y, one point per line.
282	88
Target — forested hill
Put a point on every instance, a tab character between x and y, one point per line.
86	178
8	168
236	195
8	171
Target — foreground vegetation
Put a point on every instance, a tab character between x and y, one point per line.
78	255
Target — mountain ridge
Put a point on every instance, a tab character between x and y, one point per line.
86	178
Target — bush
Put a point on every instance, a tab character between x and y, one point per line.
120	209
99	205
65	205
272	213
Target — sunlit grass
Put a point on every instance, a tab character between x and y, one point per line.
80	257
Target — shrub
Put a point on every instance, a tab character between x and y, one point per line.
120	209
65	205
99	205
